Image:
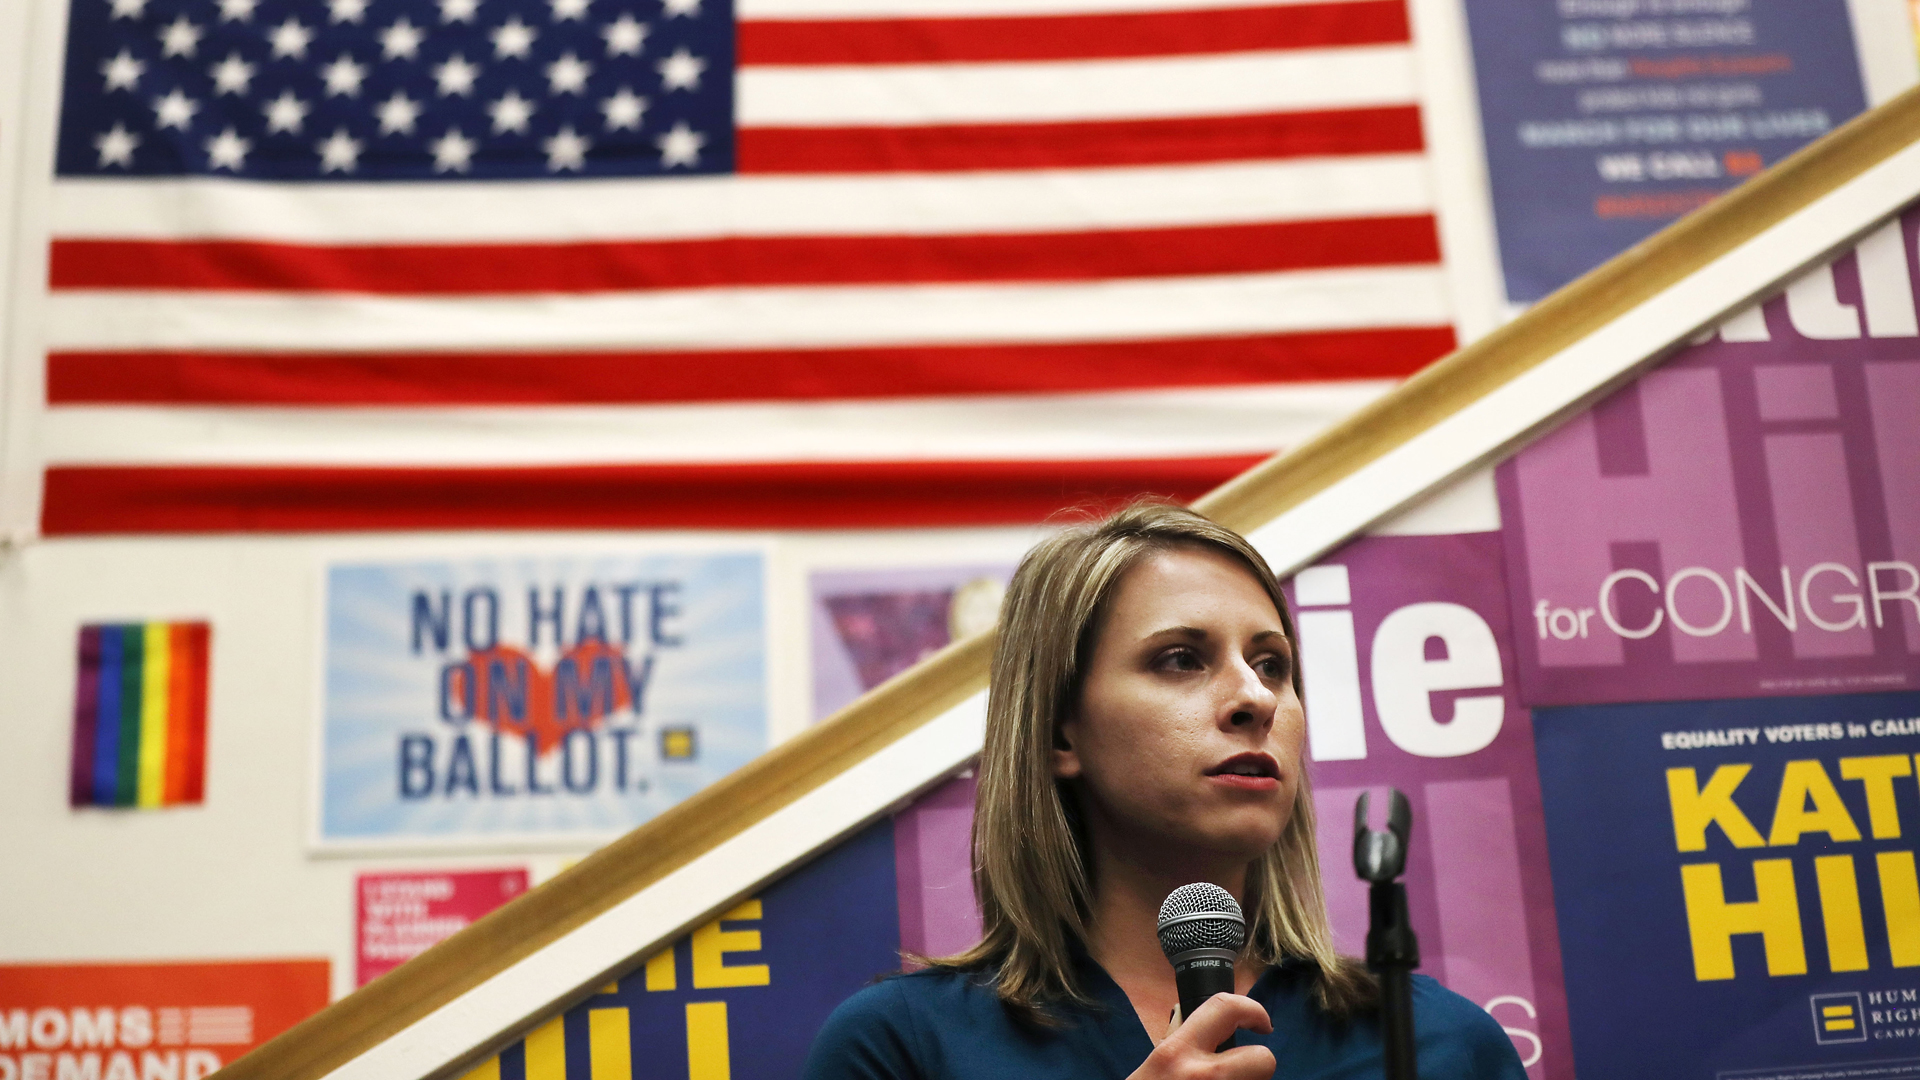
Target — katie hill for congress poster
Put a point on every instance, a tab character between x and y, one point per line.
1736	885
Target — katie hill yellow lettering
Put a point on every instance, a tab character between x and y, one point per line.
546	1049
1695	808
709	1057
711	944
1877	775
1840	913
1774	915
1803	781
610	1029
660	973
1807	801
1900	900
610	1044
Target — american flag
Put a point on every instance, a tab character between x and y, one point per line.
350	264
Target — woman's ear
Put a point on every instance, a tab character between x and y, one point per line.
1066	760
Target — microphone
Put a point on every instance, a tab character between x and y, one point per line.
1201	930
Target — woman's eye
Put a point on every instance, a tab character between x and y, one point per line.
1181	659
1272	667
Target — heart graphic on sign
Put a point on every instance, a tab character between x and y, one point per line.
507	690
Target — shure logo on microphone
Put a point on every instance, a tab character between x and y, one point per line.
1404	677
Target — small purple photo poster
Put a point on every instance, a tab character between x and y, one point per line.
1409	669
869	625
1743	521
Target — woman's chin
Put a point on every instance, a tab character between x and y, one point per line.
1233	848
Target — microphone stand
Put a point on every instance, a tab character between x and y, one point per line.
1392	950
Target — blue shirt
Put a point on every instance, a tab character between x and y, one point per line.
947	1025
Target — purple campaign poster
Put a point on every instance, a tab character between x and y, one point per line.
1409	674
1605	120
1743	521
933	869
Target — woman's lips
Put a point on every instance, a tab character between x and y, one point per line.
1247	772
1238	782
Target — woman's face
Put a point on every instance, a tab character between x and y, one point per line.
1186	740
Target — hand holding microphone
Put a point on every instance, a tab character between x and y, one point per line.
1190	1050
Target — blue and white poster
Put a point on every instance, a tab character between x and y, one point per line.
1606	120
560	698
1735	885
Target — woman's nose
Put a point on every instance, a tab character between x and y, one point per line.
1253	701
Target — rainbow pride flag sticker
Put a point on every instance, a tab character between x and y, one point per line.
140	716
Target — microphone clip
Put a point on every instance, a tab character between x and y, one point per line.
1380	857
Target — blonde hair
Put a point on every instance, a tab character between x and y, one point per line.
1030	857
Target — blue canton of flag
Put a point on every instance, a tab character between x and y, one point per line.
398	89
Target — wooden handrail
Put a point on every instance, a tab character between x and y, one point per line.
757	790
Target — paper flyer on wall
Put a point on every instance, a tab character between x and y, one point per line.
1606	120
562	698
399	915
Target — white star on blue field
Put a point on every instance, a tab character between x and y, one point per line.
363	90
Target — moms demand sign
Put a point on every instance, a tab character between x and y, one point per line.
566	698
148	1021
1743	521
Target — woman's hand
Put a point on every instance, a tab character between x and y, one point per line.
1188	1053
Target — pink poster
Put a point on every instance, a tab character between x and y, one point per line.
1410	678
1743	521
401	915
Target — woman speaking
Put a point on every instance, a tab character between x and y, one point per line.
1144	732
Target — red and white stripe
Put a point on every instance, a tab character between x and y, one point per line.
982	259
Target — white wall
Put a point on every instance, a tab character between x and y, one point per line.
233	878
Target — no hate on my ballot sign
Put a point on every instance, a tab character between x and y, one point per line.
564	698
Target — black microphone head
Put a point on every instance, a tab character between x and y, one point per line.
1201	916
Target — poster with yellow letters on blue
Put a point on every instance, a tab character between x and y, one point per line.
1736	885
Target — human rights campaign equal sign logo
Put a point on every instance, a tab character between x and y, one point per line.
351	264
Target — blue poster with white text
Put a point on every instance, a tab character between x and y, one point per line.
1606	120
1736	887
